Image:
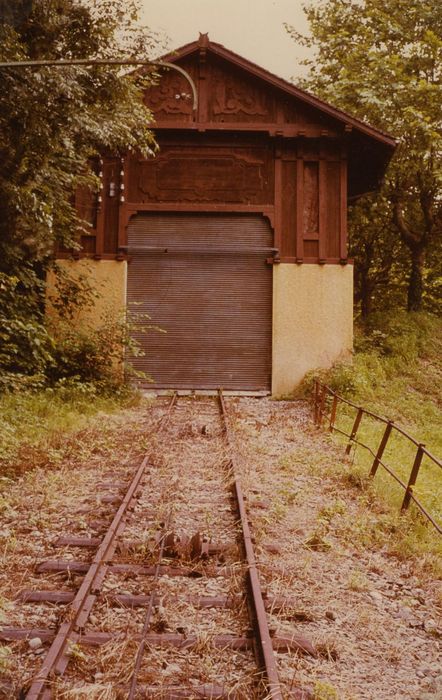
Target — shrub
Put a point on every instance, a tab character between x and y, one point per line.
25	345
94	355
36	352
387	347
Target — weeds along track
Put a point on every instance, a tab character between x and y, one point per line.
166	601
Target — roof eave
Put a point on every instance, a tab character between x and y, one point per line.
289	88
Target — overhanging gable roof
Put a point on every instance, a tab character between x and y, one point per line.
281	84
369	149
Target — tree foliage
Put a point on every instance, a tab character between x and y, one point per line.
53	122
381	60
24	340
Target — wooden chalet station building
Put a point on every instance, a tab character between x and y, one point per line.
233	237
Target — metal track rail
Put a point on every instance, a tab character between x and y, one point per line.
68	633
264	648
72	630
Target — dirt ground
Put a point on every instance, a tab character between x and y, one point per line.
377	625
375	619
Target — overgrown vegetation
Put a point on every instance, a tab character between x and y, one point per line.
396	373
397	370
57	371
72	371
66	345
54	122
380	60
39	428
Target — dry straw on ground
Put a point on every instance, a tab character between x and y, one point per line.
374	617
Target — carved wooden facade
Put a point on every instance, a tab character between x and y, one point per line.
255	144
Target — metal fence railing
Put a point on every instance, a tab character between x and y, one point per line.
326	402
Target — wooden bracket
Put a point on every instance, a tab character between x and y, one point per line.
274	260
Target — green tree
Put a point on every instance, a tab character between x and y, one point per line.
53	122
381	60
378	255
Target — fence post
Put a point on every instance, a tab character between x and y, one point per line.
381	448
354	429
413	476
321	405
333	412
316	401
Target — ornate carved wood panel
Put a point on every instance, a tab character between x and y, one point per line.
229	95
310	228
234	97
171	99
313	203
250	144
206	174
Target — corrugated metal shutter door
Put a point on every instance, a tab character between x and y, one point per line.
211	293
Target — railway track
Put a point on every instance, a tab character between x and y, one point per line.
170	599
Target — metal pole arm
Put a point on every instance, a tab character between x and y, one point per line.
103	62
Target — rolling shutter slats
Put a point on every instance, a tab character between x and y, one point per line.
215	308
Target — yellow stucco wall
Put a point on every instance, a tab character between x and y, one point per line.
312	320
312	312
107	277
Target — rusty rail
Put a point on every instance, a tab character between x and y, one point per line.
324	395
264	651
73	630
57	658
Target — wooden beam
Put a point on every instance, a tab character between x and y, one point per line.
99	241
132	208
343	252
123	218
202	115
322	203
278	198
273	128
299	207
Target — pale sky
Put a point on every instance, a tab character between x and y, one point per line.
252	28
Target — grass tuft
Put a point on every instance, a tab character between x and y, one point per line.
38	428
396	373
